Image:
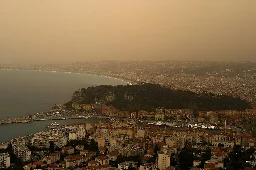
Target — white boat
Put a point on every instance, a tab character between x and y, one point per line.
159	123
53	125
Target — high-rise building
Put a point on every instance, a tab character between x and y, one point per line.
164	159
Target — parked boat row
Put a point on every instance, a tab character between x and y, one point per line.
183	124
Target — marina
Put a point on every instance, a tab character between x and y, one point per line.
11	131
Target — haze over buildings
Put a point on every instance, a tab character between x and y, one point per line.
69	31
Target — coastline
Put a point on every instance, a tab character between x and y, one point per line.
65	72
20	121
25	120
53	88
31	128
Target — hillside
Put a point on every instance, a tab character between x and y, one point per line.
150	96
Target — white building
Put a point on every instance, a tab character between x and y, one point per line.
61	141
88	126
40	142
81	132
164	159
4	160
72	136
22	152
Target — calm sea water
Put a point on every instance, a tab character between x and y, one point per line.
23	92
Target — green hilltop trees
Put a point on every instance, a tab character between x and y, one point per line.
151	96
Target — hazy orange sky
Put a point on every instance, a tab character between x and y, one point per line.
52	31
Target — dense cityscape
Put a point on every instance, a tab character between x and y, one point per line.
127	85
145	139
231	78
164	139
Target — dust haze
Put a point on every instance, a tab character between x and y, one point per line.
62	31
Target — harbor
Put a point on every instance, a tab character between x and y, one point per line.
49	115
10	131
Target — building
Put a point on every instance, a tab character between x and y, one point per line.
73	160
72	136
103	160
68	150
88	126
101	141
127	165
163	159
22	152
4	160
54	157
148	166
141	133
40	142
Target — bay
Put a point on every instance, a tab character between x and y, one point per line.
29	92
23	92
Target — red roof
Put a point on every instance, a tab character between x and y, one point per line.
29	165
102	157
85	151
67	148
93	162
209	165
105	166
38	163
53	165
113	153
91	168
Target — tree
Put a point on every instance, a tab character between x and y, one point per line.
93	146
220	145
157	96
173	160
38	166
195	113
235	158
86	145
131	168
156	149
52	146
186	159
205	157
74	143
151	160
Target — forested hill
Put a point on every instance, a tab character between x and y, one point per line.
151	96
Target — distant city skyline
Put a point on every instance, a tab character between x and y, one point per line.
63	31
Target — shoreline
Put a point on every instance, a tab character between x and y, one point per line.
23	120
53	119
41	126
91	119
98	81
65	72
